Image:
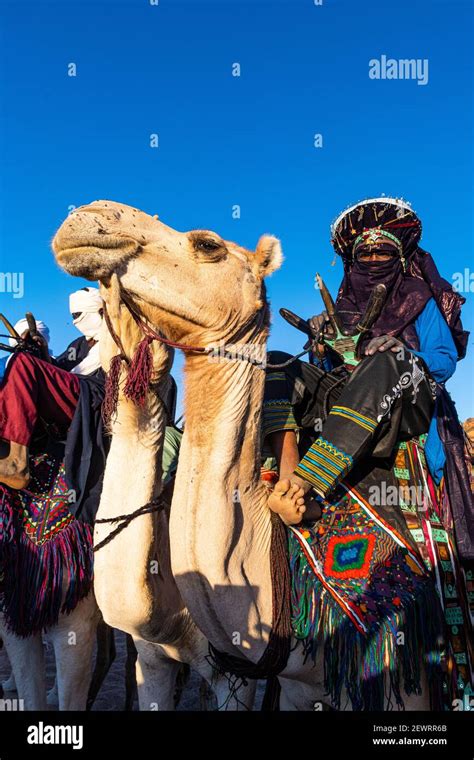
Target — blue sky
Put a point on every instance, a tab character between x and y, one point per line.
225	140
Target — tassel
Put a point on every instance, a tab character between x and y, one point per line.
109	404
42	582
139	374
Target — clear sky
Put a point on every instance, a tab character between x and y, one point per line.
166	69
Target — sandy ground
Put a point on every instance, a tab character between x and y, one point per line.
112	693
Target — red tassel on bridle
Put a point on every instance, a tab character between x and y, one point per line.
109	404
139	368
139	372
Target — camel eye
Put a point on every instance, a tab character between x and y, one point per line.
208	246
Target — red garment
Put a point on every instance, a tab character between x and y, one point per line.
33	389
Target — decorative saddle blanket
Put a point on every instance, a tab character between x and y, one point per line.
358	585
46	555
377	605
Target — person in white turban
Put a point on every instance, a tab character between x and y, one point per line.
82	355
47	390
22	328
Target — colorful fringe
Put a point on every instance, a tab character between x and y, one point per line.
432	529
358	588
46	556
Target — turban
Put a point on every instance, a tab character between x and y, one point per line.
85	299
411	277
87	303
22	325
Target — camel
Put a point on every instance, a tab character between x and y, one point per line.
73	659
203	291
133	583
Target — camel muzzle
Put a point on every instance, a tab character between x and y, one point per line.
94	256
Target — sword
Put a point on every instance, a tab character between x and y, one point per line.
346	345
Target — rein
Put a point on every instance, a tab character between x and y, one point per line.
151	335
155	505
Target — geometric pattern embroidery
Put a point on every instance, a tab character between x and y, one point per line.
44	506
366	571
324	465
349	556
374	581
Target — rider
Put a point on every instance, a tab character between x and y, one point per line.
36	392
65	393
386	462
21	327
82	355
411	349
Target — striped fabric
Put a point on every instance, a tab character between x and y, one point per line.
277	415
359	419
324	465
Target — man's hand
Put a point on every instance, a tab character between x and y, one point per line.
40	341
383	343
318	321
321	324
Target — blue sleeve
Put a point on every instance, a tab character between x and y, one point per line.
3	361
323	362
437	347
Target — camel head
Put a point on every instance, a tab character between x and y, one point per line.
193	285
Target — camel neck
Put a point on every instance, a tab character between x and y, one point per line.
220	526
133	579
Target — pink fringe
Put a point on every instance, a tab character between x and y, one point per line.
139	373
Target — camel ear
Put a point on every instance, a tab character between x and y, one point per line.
268	256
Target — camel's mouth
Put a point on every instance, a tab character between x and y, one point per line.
93	257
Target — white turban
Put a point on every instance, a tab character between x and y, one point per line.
87	303
22	325
85	299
